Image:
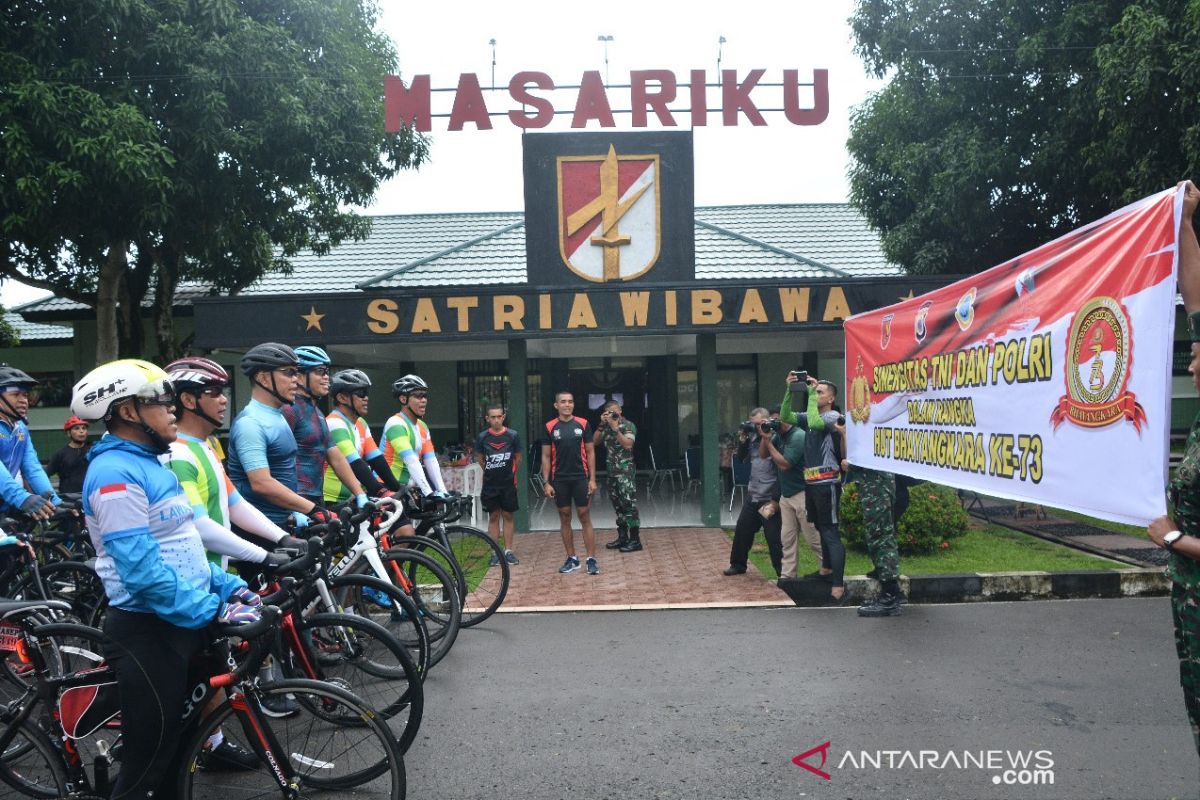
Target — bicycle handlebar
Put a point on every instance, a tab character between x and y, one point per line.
270	616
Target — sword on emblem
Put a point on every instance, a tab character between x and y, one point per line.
609	205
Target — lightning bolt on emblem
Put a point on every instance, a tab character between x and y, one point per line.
611	208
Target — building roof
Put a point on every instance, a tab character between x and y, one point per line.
30	332
818	240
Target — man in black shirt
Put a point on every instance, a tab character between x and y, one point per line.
498	450
70	463
569	475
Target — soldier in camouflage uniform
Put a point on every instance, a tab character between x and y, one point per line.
877	493
1179	532
617	434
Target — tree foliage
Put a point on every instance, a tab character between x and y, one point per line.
1005	124
149	142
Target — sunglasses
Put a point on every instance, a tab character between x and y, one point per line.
215	391
419	396
159	393
158	400
319	371
288	372
361	394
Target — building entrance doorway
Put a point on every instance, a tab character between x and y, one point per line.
593	387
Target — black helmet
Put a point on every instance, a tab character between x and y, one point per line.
268	356
408	384
13	377
349	380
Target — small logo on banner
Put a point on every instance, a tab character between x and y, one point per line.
964	312
860	395
885	331
1023	285
919	326
1099	357
800	760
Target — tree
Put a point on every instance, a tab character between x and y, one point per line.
222	137
996	130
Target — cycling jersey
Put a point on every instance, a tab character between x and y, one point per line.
354	440
500	451
261	438
19	464
148	552
568	447
409	452
312	443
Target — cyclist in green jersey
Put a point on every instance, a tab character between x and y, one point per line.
408	445
349	394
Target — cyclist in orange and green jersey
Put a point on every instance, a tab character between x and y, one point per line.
349	392
408	446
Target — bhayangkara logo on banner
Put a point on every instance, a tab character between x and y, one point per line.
920	326
1099	357
609	220
860	395
885	331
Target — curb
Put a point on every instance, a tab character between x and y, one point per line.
976	587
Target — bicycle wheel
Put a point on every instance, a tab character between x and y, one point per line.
387	605
363	658
434	592
319	753
486	582
74	582
30	764
427	546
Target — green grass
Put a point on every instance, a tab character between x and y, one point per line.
987	548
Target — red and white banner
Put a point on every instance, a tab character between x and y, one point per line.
1046	378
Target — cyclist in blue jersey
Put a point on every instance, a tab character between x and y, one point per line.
19	464
262	448
161	588
314	444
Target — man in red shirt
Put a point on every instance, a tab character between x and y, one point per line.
569	475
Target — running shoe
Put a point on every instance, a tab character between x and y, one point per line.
494	561
279	706
570	565
511	557
228	755
593	567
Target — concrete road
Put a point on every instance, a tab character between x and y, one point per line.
967	701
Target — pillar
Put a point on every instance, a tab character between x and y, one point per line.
706	387
518	397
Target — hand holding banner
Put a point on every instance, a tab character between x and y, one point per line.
1046	378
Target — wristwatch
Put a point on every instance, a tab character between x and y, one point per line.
1171	538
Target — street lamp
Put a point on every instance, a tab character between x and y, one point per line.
492	42
720	47
606	40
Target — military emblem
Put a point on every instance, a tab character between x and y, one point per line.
860	395
919	326
1023	285
964	312
1099	355
885	331
609	225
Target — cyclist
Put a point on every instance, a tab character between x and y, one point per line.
19	463
315	448
349	392
70	462
161	588
262	448
409	445
200	389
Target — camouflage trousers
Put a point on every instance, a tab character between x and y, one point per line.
1185	610
622	491
877	491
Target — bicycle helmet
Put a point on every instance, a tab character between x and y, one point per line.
408	384
13	378
95	396
72	421
268	356
310	357
194	374
349	380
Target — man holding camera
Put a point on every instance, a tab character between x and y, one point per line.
822	479
760	510
617	434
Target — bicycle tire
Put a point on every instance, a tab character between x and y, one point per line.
436	596
73	582
309	743
486	584
433	549
407	625
364	659
33	768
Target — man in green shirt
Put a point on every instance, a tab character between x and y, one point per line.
786	449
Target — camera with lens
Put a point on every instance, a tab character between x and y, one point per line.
841	420
770	425
748	427
801	383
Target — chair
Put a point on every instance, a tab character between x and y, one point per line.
473	487
691	468
659	475
741	480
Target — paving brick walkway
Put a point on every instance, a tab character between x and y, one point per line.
679	568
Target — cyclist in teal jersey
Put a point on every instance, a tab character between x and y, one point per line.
314	445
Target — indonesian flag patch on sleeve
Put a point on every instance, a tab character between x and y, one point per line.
114	491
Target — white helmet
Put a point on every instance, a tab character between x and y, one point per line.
93	397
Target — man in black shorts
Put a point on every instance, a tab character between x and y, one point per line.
498	450
569	475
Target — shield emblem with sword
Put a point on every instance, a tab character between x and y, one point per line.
609	226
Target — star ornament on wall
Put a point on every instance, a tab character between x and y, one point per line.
908	296
312	319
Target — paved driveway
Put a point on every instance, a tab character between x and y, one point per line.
716	703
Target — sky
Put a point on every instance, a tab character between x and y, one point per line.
474	170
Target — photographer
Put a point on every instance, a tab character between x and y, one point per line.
617	434
822	474
760	510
